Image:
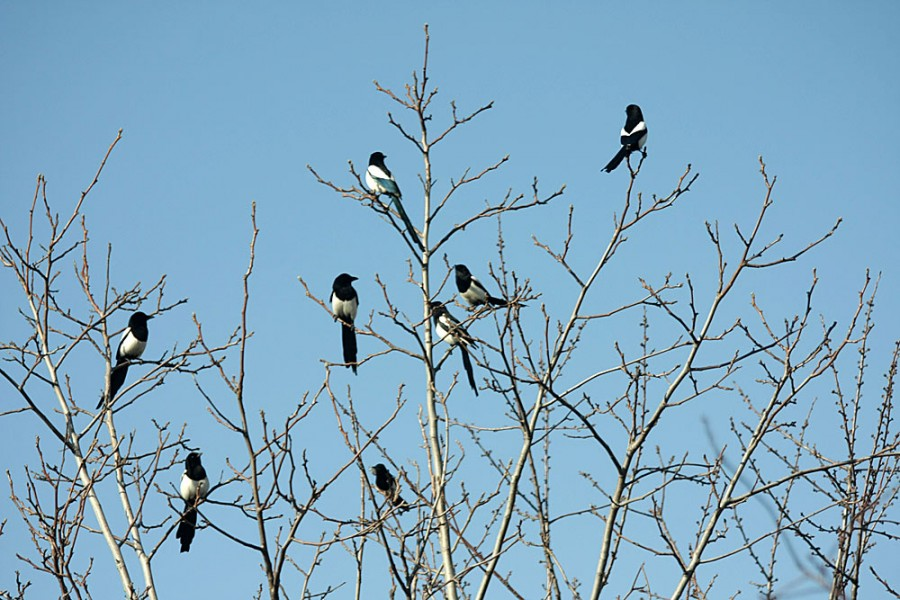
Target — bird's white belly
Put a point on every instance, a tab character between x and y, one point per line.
475	295
131	347
190	488
445	335
344	308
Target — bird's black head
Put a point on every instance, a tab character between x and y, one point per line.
377	159
192	461
343	280
438	309
633	110
462	271
138	319
377	469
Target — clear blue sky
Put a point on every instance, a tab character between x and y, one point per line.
223	104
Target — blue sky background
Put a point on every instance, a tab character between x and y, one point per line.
222	105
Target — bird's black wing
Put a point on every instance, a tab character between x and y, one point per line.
456	330
487	296
633	139
496	301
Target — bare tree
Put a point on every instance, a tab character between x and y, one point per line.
663	491
58	492
709	345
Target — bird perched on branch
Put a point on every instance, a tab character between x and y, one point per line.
131	347
472	290
193	489
387	485
449	329
344	304
380	181
633	136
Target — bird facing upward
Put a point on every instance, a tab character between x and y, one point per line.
131	347
193	489
344	305
380	181
633	136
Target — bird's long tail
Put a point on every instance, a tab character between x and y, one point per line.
467	364
616	160
116	379
400	503
187	526
348	341
409	226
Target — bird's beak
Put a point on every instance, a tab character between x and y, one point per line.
149	317
199	454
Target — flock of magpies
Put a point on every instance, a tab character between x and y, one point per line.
344	306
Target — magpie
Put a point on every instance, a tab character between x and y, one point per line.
131	346
387	485
471	289
194	487
449	329
344	304
380	181
633	136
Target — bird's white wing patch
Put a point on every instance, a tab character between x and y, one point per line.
639	127
375	171
372	183
375	184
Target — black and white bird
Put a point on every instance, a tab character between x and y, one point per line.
193	489
344	304
449	329
131	347
387	485
380	181
633	136
472	290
